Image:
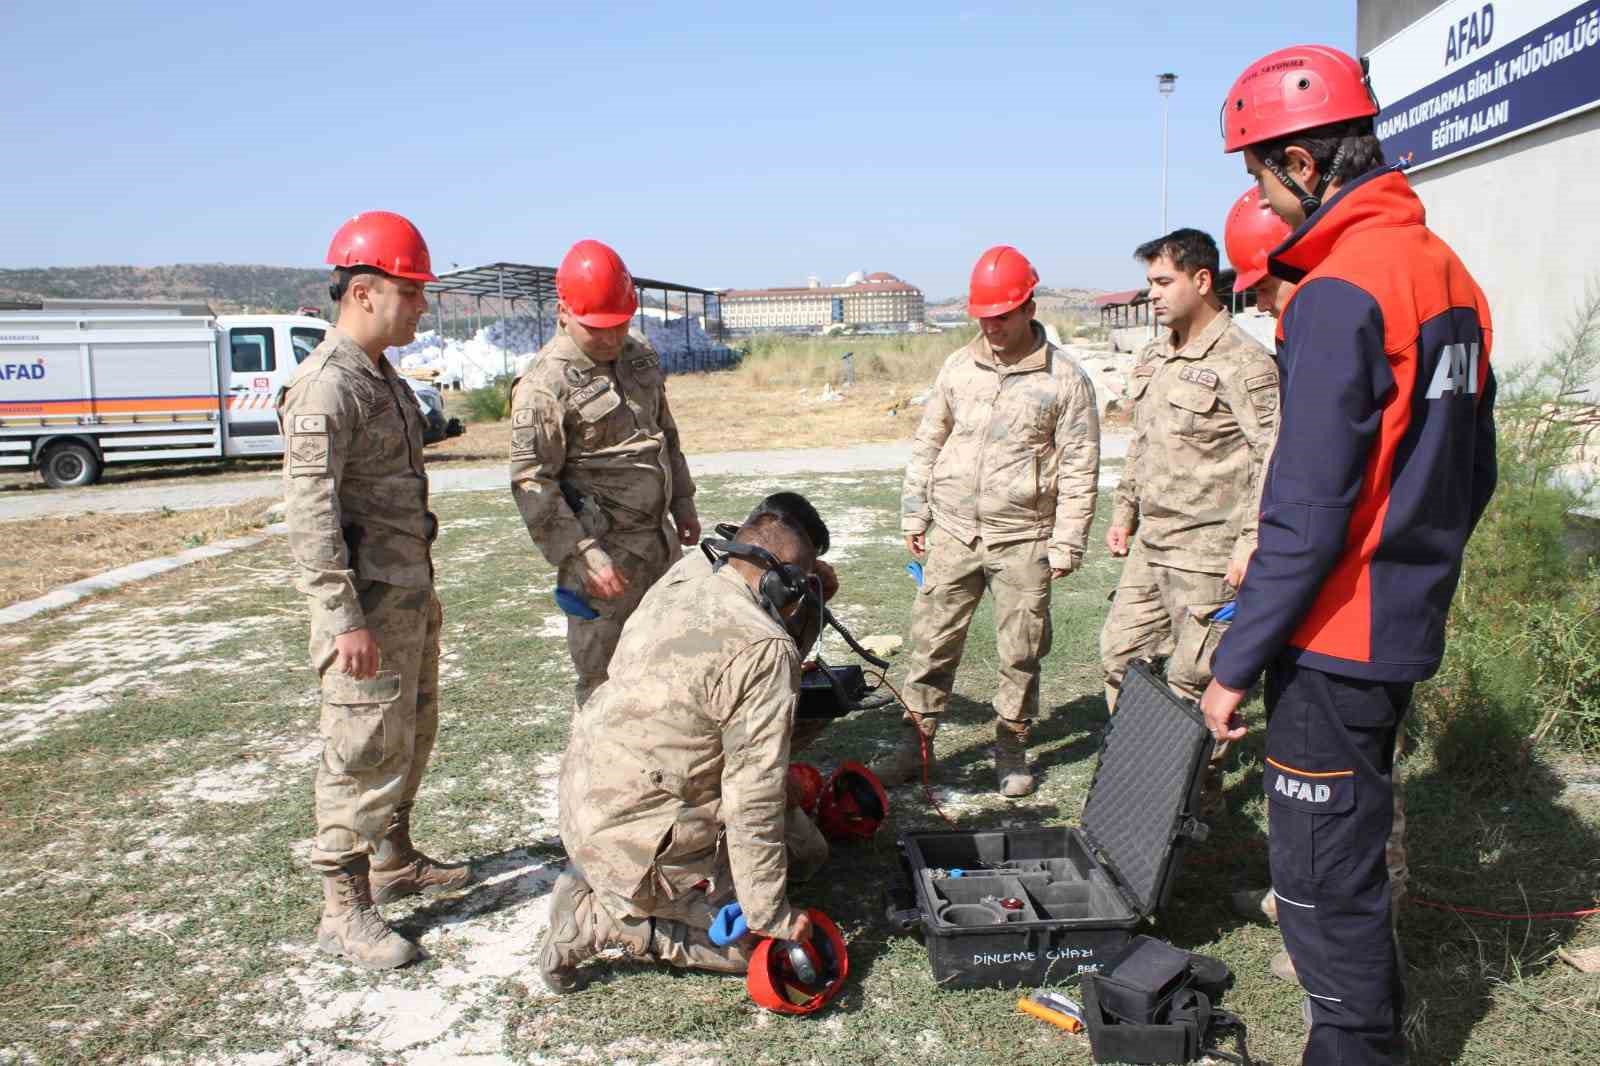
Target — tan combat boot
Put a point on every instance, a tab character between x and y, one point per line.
903	762
352	927
1011	758
400	870
579	929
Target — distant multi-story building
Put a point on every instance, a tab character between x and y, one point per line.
877	299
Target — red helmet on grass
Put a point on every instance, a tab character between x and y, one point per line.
799	977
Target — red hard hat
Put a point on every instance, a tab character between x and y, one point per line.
596	286
853	804
773	982
1294	89
807	781
384	241
1002	281
1252	231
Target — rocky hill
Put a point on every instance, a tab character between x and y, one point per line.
1053	303
225	286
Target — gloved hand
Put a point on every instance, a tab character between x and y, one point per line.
729	925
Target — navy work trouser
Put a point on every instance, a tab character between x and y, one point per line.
1330	757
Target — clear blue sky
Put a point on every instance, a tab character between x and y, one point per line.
731	146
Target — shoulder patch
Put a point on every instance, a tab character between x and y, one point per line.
310	424
1262	381
1144	370
308	452
645	361
1199	375
522	417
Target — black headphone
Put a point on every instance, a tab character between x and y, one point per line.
783	584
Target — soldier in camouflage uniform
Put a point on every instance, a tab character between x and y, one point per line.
674	785
356	503
596	468
1205	411
999	494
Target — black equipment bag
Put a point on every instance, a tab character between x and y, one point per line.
1155	1003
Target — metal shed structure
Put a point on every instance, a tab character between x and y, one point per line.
465	299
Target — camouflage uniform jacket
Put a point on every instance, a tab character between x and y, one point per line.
686	743
594	450
1205	418
355	493
1007	453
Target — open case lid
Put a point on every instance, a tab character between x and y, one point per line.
1146	786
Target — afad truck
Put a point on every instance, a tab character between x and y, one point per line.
86	383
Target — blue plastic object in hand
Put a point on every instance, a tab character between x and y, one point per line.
1224	613
574	604
915	570
729	925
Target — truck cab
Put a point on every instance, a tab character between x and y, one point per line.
257	355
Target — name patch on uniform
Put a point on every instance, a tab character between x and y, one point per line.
310	423
1144	370
1199	375
589	392
644	362
1325	792
599	405
308	452
522	417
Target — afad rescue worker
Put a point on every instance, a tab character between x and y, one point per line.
1205	408
1385	461
596	468
1253	231
999	495
674	787
356	503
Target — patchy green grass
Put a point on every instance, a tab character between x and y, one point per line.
156	750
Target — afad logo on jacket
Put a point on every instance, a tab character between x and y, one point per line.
22	371
1457	371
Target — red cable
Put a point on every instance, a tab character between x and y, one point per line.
922	741
1503	917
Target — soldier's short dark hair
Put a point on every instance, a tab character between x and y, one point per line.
778	533
1191	251
339	283
795	510
1363	153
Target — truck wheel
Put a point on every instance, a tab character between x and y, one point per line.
69	466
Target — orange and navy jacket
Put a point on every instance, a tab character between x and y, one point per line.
1385	454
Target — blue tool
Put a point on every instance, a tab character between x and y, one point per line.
729	925
574	604
915	570
1225	612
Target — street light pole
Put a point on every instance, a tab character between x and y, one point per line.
1165	83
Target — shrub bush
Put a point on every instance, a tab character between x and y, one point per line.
1523	657
492	403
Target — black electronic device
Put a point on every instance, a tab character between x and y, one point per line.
1085	889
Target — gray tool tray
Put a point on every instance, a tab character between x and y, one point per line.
1035	906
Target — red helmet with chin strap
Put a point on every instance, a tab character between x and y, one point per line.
1292	90
383	241
853	805
1253	230
793	977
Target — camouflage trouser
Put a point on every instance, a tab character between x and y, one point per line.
1162	612
954	576
591	643
377	733
675	930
